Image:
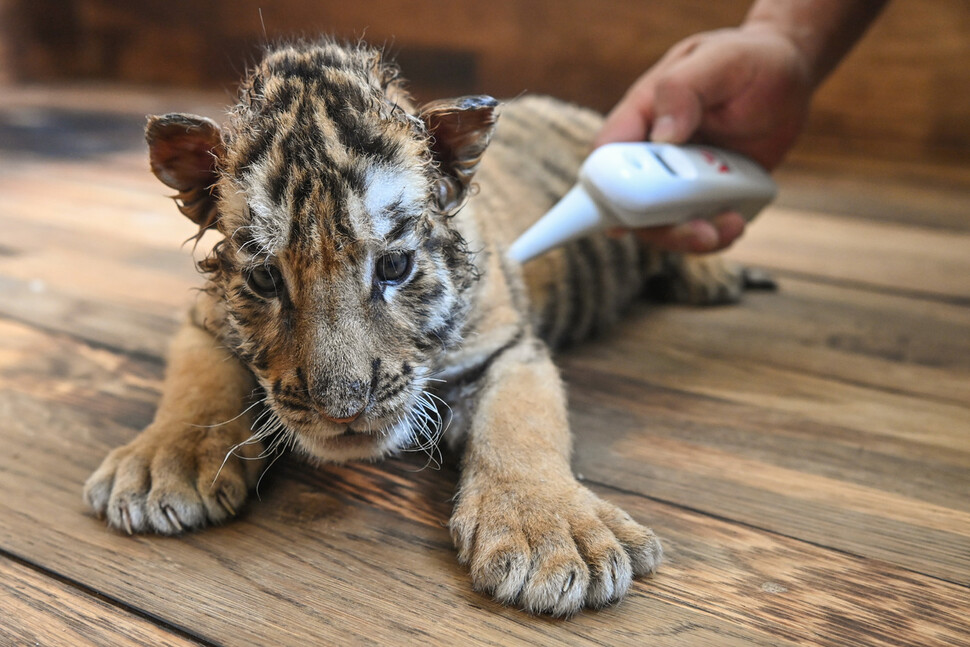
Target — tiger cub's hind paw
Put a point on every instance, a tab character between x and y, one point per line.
706	280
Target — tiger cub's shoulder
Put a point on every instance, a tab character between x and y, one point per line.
546	122
534	156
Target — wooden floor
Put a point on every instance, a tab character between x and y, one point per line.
805	455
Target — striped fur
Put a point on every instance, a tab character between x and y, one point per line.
360	297
327	169
326	165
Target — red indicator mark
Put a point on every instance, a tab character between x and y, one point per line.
712	159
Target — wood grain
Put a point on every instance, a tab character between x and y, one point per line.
906	191
39	610
325	549
326	552
803	455
926	262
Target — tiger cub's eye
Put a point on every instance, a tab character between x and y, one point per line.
265	280
393	267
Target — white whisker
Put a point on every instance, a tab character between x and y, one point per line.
241	414
266	424
425	426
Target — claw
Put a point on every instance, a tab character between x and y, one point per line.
173	518
753	278
223	500
569	581
126	519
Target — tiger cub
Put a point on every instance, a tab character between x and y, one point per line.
360	287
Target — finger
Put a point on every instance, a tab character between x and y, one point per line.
704	80
730	226
678	110
631	117
696	236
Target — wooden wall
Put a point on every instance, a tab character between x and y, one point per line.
903	94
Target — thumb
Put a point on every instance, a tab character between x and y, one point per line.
678	110
686	90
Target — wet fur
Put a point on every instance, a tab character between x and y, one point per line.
324	168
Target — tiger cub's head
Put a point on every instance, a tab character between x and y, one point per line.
342	277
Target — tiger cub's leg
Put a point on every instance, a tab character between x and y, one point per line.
175	475
700	279
530	533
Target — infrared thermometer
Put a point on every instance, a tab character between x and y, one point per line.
644	184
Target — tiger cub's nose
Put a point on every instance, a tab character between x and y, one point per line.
347	401
344	420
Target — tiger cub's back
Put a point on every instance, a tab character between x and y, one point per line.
532	161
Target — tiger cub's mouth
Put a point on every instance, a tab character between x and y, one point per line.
416	425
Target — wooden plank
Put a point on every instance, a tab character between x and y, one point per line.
39	610
827	598
843	334
48	248
330	551
622	412
773	335
894	257
123	202
862	364
98	199
320	566
821	510
891	415
803	455
138	330
902	191
747	413
825	337
25	104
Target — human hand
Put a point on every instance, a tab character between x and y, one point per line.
747	89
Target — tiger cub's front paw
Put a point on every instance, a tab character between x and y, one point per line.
550	549
169	481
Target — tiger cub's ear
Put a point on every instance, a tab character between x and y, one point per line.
184	150
460	130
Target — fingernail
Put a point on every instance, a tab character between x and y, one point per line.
696	236
664	129
729	227
705	238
